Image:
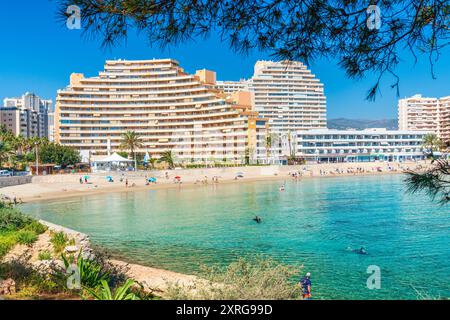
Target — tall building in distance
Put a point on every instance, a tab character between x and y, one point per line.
168	108
286	93
27	115
427	114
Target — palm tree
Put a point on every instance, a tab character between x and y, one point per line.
5	152
37	142
131	141
269	141
152	162
431	143
168	157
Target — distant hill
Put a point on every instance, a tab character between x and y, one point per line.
343	123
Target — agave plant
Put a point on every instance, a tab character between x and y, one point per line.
91	272
121	293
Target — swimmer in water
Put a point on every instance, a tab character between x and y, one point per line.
282	188
257	219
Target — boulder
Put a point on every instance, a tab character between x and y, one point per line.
72	249
7	287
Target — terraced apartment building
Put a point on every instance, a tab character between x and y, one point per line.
169	108
286	93
427	114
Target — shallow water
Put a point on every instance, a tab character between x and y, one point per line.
315	222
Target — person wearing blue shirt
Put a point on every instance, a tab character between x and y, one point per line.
305	283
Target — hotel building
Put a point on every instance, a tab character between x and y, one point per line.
325	145
289	95
168	108
26	116
429	114
286	93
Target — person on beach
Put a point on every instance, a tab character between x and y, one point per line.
126	183
305	284
81	180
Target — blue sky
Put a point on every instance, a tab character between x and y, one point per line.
38	54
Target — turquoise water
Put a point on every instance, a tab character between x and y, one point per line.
314	222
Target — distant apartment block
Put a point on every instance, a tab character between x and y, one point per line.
326	145
286	93
169	108
429	114
26	116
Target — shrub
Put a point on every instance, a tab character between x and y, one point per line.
7	241
91	272
257	279
12	219
104	292
26	237
36	227
45	255
59	241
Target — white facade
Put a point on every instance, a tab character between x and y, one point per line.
429	114
286	93
289	95
359	145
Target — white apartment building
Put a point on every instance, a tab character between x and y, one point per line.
168	108
378	144
429	114
27	115
286	93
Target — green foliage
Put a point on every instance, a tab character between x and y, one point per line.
7	242
91	271
168	157
123	154
45	255
36	227
26	237
12	219
59	241
121	293
58	154
435	181
245	279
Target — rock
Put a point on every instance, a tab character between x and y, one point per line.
7	287
72	249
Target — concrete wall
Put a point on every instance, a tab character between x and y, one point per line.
14	181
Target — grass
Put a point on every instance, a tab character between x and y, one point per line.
246	279
16	228
45	255
59	241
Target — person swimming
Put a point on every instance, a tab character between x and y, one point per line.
257	219
282	188
358	251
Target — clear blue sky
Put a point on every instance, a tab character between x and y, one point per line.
38	54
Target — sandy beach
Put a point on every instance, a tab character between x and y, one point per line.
62	186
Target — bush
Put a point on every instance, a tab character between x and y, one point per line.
59	241
45	255
257	279
12	219
7	241
36	227
26	237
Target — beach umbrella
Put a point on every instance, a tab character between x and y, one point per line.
152	180
146	157
240	174
86	177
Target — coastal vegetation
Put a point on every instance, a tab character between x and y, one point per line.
246	279
131	141
16	228
18	152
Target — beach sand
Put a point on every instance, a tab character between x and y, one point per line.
63	186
